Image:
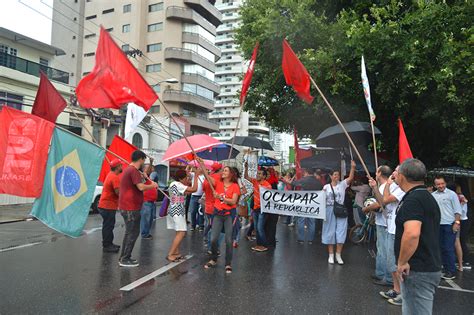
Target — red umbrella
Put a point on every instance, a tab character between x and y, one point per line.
207	164
181	147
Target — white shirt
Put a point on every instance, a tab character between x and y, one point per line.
449	205
177	199
391	208
464	211
201	179
379	217
339	190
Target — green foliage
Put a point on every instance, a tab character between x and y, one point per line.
419	61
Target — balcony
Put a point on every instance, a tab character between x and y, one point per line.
207	10
33	68
188	15
259	128
200	40
200	80
228	38
202	123
177	96
183	54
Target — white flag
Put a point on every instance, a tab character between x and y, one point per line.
135	115
366	87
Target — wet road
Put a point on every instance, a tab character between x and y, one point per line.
59	275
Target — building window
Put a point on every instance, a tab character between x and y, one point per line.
44	62
153	47
126	47
126	28
153	68
127	8
137	140
89	35
90	17
109	29
108	11
155	7
155	27
11	100
89	54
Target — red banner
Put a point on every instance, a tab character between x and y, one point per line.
248	75
24	139
120	147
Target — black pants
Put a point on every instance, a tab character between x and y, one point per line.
271	221
132	230
108	225
463	238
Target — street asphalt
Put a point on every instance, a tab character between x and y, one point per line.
44	272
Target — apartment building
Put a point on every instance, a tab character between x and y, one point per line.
229	72
171	43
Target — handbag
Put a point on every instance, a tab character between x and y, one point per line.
340	211
164	207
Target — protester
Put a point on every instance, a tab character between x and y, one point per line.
463	234
271	219
451	211
108	205
176	218
226	196
287	179
257	215
148	207
197	220
130	203
209	203
417	240
334	228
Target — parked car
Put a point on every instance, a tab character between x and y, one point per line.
96	198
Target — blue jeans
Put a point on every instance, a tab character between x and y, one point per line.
310	223
196	218
146	217
418	291
381	270
447	238
259	224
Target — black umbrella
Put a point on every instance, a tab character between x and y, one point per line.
360	132
453	171
252	142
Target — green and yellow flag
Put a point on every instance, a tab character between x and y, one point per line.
71	176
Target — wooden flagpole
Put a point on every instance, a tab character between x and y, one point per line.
375	144
342	126
236	127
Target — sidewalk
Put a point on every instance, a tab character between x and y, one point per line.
13	213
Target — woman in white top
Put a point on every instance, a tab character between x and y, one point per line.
335	229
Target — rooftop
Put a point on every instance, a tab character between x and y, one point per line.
30	42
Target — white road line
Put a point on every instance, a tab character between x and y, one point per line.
19	246
455	289
154	274
92	230
453	284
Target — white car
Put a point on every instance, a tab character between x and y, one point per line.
95	202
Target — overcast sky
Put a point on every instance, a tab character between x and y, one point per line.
19	18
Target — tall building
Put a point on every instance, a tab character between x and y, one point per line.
171	43
229	72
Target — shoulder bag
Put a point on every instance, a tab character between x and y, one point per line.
340	211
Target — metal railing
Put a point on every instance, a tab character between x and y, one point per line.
200	77
33	68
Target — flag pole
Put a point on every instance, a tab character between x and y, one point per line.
342	126
236	127
375	144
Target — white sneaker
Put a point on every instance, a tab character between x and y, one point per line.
339	259
331	259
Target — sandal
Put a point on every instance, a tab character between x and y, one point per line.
210	264
172	260
228	269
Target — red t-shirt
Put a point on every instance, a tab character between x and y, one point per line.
130	197
108	198
150	195
206	188
256	191
227	193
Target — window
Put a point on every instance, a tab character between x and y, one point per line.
89	54
200	50
108	11
153	68
127	8
126	28
155	7
153	47
126	47
109	29
89	35
11	100
85	73
44	62
137	140
90	17
155	27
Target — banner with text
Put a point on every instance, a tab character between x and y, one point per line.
300	203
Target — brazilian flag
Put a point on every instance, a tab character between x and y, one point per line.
71	176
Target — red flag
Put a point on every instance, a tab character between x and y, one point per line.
299	172
24	143
120	147
48	102
296	74
248	75
114	81
404	151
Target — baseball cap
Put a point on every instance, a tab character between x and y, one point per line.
115	163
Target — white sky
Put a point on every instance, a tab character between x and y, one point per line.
19	18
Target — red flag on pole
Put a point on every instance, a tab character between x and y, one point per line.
404	151
114	81
24	139
248	75
296	74
120	147
299	172
48	102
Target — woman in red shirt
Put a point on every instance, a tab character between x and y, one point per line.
226	196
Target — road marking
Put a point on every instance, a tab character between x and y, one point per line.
19	246
92	230
453	284
154	274
455	289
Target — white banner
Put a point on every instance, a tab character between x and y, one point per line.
135	115
299	203
252	162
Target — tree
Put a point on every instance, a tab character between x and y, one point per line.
418	57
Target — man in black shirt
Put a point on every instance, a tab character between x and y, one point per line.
417	240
